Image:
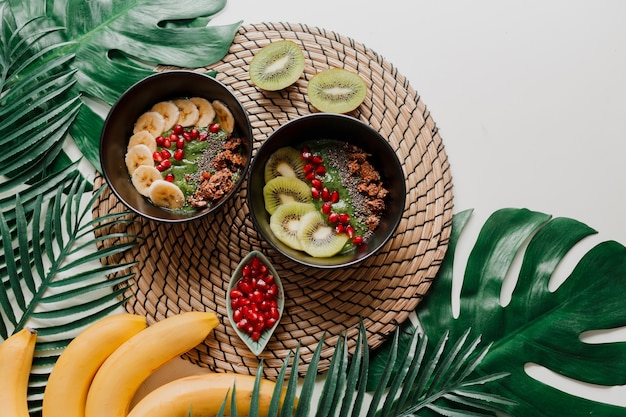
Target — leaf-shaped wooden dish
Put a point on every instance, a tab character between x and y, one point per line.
255	301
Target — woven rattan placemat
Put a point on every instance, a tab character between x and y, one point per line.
185	267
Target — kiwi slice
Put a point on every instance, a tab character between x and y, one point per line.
285	222
282	190
317	238
285	162
336	90
277	65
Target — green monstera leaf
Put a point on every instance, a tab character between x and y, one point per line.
538	325
117	43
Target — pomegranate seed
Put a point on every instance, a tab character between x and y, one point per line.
306	153
160	167
317	160
203	135
243	323
166	163
317	183
179	129
255	336
344	218
334	196
159	140
257	296
325	194
214	128
165	154
237	315
255	263
167	143
169	177
339	228
315	193
321	170
180	143
333	217
235	293
326	207
357	240
273	313
308	168
310	176
157	156
173	137
187	136
270	322
179	154
350	231
194	133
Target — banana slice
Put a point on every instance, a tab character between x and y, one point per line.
143	137
143	177
169	111
166	194
207	113
151	121
189	113
225	117
137	156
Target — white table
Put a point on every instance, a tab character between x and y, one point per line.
529	97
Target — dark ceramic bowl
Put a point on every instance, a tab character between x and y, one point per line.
341	128
139	98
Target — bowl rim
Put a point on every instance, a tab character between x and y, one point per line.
140	84
393	224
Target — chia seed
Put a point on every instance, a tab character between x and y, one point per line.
205	161
340	161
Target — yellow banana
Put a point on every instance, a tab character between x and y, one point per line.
66	391
203	396
16	359
120	375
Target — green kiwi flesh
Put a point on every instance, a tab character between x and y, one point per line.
282	190
285	222
336	90
317	238
277	65
285	162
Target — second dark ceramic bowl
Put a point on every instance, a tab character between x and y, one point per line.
335	127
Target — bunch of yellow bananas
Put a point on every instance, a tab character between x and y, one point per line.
99	372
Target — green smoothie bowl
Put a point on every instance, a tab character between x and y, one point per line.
176	146
326	190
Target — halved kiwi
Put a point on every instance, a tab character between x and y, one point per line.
317	238
285	222
282	190
336	90
286	162
277	65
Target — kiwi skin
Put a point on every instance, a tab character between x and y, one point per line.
277	65
336	90
281	190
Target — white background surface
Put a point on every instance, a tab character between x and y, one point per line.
529	97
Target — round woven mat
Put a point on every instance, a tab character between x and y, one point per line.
185	267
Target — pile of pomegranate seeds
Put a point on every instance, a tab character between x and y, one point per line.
254	299
314	171
176	141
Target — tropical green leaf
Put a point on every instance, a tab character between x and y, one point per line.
117	43
538	326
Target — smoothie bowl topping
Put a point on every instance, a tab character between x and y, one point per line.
184	154
324	198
